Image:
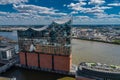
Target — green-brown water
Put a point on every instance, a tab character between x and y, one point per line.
89	51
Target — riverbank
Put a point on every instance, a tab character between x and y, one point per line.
115	42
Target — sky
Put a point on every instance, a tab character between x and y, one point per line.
43	12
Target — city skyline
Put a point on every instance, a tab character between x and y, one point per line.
39	12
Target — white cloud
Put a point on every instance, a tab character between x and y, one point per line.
81	17
74	12
29	15
87	20
99	18
80	3
4	2
24	19
103	15
96	9
96	2
3	13
32	19
114	4
81	6
33	9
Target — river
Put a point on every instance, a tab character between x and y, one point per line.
82	51
25	74
87	51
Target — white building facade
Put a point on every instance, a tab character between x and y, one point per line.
7	52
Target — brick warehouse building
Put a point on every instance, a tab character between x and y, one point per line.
47	48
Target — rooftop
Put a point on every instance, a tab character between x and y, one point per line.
4	47
62	21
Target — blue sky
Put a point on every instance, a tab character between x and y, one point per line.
38	12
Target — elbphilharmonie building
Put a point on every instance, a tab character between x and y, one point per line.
47	48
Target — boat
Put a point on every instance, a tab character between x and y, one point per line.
99	71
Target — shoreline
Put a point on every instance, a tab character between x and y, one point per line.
115	43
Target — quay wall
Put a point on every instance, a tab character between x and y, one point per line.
83	78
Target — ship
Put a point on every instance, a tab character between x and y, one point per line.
97	71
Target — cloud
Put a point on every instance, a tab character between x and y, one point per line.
4	2
80	3
114	4
96	2
32	19
82	6
29	15
81	17
24	19
79	8
3	13
103	15
74	12
33	9
97	9
85	20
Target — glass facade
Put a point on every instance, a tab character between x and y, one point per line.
3	55
52	39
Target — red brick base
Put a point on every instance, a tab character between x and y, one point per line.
32	59
62	63
22	58
56	62
46	61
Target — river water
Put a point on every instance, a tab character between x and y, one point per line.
82	51
25	74
89	51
